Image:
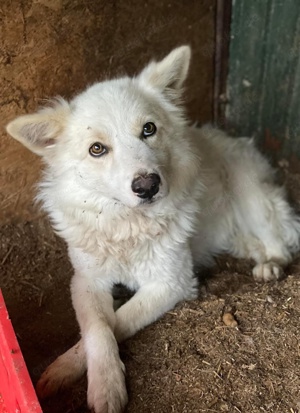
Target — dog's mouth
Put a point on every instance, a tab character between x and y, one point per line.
142	202
148	201
153	200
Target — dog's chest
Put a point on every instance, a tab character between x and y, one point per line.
130	246
124	239
130	255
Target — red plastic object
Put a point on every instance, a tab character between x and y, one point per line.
17	394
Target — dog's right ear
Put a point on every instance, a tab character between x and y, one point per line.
168	75
39	131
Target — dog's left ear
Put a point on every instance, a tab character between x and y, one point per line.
39	131
170	73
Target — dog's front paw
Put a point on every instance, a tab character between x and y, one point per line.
63	372
106	388
268	271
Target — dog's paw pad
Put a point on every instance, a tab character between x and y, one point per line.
269	271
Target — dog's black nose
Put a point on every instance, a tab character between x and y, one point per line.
146	186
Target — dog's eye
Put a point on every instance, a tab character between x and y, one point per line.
149	129
97	149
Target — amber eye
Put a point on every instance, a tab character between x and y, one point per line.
149	129
97	149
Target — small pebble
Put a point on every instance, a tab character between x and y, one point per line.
229	320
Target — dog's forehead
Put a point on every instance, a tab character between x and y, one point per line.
112	101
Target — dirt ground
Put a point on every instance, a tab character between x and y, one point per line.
188	361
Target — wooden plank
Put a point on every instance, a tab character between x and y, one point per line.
263	88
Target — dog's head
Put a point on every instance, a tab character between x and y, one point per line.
120	139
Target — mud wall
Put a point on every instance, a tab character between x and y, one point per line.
57	47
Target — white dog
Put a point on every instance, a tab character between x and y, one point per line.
140	198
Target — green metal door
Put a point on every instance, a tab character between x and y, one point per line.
263	86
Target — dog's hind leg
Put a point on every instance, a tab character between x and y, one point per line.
270	230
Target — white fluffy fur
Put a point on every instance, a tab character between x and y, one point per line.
216	195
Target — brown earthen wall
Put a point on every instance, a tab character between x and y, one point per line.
57	47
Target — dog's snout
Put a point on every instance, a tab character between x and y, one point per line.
146	186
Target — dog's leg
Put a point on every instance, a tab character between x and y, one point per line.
64	371
170	279
267	248
264	244
147	305
269	230
106	381
279	235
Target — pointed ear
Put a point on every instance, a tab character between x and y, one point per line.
170	73
40	130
